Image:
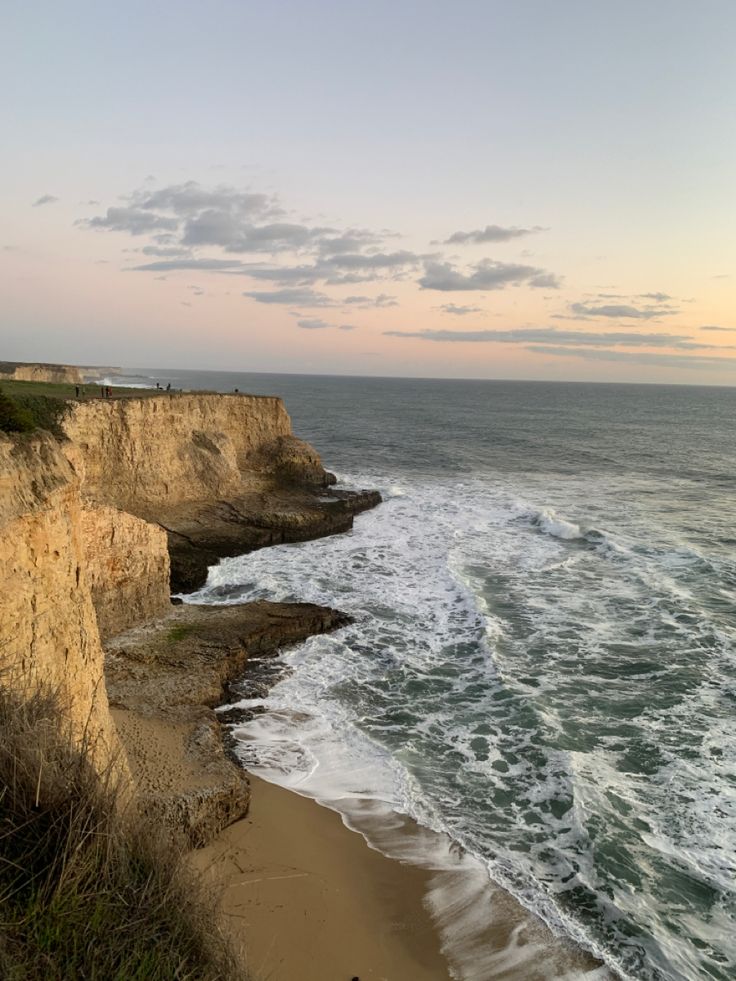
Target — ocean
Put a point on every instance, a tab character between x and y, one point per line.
542	666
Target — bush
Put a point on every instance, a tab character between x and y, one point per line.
88	892
13	417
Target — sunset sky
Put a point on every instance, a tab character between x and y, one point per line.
480	189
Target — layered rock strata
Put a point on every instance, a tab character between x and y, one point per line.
27	371
48	625
222	474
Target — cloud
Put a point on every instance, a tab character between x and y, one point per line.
381	301
486	275
190	198
459	311
131	220
227	230
544	335
351	240
204	265
491	233
638	357
45	199
348	327
294	297
312	324
623	310
375	260
727	330
165	251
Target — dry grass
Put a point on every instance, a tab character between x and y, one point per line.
87	892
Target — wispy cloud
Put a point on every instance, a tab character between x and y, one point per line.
487	274
45	199
639	357
381	301
527	335
293	297
312	324
458	310
726	330
491	233
621	311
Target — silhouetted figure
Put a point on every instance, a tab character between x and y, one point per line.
102	392
109	392
76	391
157	385
236	390
168	387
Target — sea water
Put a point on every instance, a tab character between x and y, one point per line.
542	664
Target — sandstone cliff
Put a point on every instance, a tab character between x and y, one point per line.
152	454
48	627
127	563
58	373
87	528
222	474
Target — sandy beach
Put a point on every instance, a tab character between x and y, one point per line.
306	898
310	901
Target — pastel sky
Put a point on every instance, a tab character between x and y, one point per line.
476	188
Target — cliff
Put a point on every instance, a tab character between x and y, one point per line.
92	525
222	474
127	562
48	626
28	371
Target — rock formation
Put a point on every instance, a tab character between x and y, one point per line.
48	626
28	371
222	474
88	526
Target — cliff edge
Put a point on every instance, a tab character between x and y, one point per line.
221	474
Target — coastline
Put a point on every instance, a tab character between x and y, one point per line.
291	869
370	898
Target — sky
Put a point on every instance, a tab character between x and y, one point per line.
481	189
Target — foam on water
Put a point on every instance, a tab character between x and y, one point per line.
542	661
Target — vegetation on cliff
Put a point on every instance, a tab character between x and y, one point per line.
87	891
24	412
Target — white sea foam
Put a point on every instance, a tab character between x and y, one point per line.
478	646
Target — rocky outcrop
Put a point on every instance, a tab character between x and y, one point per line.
87	525
163	681
127	568
28	371
222	474
153	454
48	627
202	534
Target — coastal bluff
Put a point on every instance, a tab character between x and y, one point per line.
64	374
134	497
221	474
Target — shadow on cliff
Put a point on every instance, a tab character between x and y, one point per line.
87	889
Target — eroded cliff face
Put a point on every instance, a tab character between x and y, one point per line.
48	626
58	373
153	454
127	568
222	474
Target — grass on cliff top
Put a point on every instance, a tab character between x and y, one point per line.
28	406
87	892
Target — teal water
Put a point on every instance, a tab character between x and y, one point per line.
543	662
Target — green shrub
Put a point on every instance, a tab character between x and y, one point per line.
89	892
13	417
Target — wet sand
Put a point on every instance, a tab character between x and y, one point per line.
310	901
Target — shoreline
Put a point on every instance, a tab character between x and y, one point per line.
292	869
420	907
